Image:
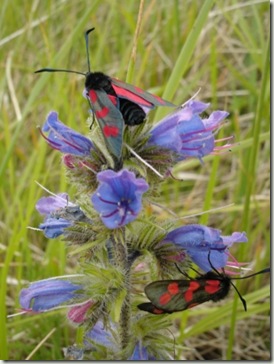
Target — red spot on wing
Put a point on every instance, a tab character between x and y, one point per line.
193	286
188	295
139	90
102	113
212	286
165	298
126	94
92	96
110	131
173	288
113	99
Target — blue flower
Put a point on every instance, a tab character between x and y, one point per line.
140	353
100	334
65	139
53	226
118	197
198	240
186	133
52	293
59	214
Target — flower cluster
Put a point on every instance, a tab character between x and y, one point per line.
187	134
114	225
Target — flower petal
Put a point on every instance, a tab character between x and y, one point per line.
185	132
53	227
65	139
118	197
49	204
49	294
100	335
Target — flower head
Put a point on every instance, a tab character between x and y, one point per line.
186	133
52	293
65	139
199	240
118	197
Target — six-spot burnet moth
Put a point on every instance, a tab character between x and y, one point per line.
114	103
168	296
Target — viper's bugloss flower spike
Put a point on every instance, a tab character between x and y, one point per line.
53	293
198	240
118	197
63	138
186	133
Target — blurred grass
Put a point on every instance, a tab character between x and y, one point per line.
220	47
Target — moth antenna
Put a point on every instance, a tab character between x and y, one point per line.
87	47
70	71
266	270
59	70
211	265
183	273
240	296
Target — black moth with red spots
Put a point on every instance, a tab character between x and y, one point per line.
114	103
132	113
169	296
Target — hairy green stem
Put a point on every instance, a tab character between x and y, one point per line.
122	261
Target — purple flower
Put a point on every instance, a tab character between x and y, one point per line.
65	139
47	205
118	197
198	240
100	334
186	133
53	226
59	214
140	353
52	293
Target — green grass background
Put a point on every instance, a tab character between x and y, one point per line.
220	47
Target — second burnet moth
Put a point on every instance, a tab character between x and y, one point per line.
168	296
114	103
